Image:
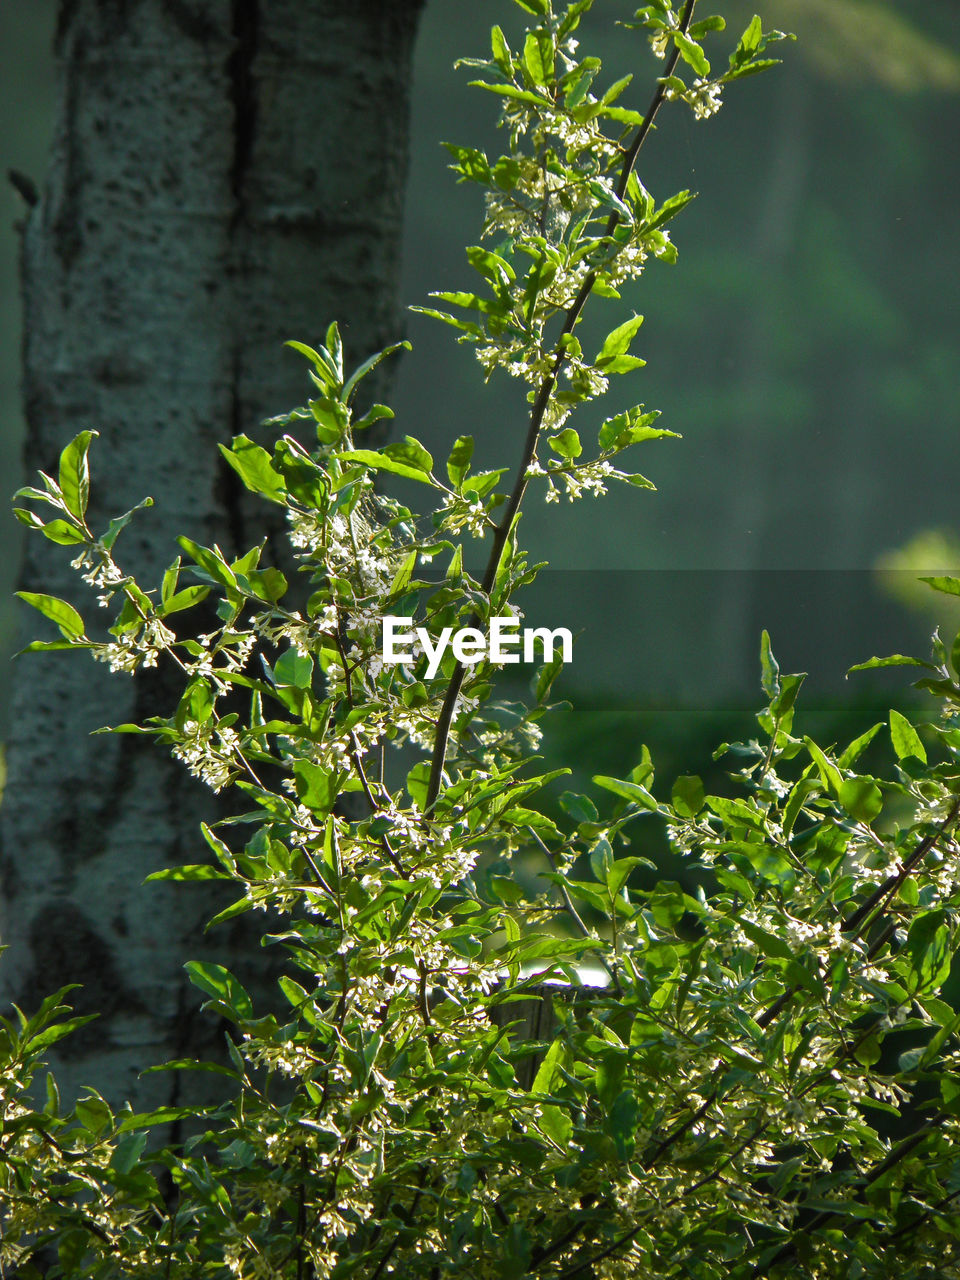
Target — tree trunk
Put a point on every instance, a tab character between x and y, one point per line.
225	175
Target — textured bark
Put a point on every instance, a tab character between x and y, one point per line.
224	176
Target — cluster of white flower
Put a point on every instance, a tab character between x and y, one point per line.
591	381
348	545
232	648
136	649
516	357
590	478
464	512
99	571
445	868
416	724
704	97
661	38
287	1057
209	752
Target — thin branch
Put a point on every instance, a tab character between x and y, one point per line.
858	920
537	415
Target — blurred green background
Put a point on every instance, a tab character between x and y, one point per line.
805	346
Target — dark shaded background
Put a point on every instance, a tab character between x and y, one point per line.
805	345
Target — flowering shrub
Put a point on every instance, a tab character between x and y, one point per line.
762	1078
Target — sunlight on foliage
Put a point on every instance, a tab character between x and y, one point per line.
753	1077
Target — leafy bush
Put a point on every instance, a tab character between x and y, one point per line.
755	1080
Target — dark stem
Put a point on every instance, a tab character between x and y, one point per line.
858	920
536	418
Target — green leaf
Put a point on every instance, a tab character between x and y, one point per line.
769	943
618	341
418	780
549	1072
254	467
928	944
229	913
501	50
577	85
566	443
490	265
483	482
869	1051
905	739
894	660
400	459
735	813
622	364
60	531
410	452
374	414
509	91
211	561
324	366
316	788
691	53
30	519
858	746
752	69
220	983
127	1152
862	798
601	859
58	611
571	19
75	474
188	873
622	1121
506	890
557	1124
618	873
334	347
628	791
266	584
670	208
161	1116
50	1035
688	796
616	89
538	58
748	44
700	29
55	646
949	586
94	1114
631	427
832	778
403	575
294	669
121	522
369	365
458	464
185	599
580	808
769	667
